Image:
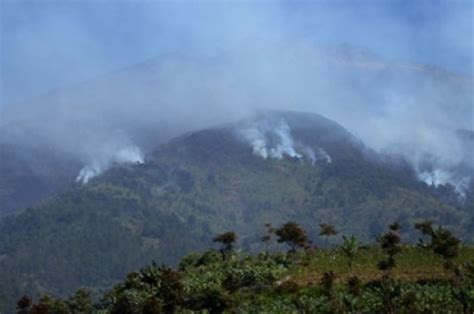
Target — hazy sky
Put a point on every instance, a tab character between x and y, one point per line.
49	44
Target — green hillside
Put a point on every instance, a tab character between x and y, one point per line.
202	184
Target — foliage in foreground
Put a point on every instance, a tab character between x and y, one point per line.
388	278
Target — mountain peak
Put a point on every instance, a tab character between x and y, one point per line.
268	134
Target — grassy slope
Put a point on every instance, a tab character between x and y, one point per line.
292	283
413	264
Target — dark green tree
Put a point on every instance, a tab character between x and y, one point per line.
442	242
292	234
80	302
213	299
227	239
23	305
390	244
389	290
48	304
446	245
327	231
171	289
327	283
354	286
152	306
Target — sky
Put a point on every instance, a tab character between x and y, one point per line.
50	44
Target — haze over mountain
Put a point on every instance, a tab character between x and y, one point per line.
405	109
407	90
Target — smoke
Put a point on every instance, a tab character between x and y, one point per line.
362	65
285	145
426	137
272	139
106	155
439	177
323	155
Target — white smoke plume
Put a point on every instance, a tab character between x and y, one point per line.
323	155
284	144
308	152
108	155
426	140
88	172
270	139
439	177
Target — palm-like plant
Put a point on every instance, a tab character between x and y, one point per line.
390	245
350	248
442	242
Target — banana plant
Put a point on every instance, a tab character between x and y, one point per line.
350	248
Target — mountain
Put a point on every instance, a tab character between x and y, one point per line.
274	167
153	101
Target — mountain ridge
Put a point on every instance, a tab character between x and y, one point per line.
160	98
207	182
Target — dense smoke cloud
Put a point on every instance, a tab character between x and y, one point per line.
273	139
215	62
107	155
